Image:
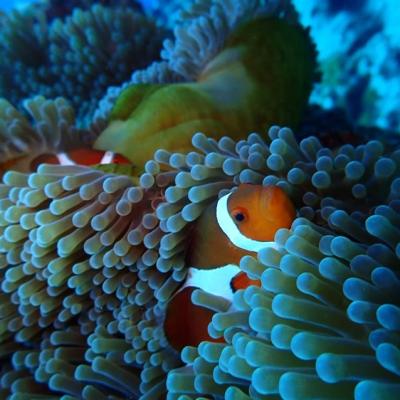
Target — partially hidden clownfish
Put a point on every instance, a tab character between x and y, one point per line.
80	156
238	224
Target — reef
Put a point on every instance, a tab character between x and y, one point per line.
359	73
91	256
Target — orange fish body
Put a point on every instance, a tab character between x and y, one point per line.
9	164
80	156
238	224
242	281
186	324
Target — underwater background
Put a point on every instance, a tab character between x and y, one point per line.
126	125
359	61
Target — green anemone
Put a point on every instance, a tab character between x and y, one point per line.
89	261
262	76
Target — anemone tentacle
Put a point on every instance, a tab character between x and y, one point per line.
49	127
78	56
106	251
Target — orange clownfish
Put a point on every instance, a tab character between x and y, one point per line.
80	156
238	224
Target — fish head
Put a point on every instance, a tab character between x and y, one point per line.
259	211
239	223
251	215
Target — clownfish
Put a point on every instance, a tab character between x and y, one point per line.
238	224
80	156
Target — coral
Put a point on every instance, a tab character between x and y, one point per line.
102	254
200	33
78	57
241	89
360	63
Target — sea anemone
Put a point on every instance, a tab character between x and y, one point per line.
200	33
62	8
65	58
95	258
240	84
325	322
48	128
91	257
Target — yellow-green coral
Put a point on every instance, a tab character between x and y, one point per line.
262	76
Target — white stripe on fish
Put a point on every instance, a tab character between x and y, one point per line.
233	233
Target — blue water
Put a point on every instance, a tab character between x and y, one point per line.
7	5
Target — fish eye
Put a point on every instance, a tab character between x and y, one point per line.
239	215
